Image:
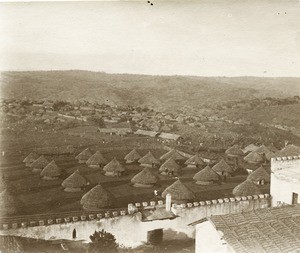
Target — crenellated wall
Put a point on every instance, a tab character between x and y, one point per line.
129	229
285	180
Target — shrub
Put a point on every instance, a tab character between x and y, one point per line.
103	241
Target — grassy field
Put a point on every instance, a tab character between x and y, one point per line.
40	196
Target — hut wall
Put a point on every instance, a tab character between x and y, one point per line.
187	213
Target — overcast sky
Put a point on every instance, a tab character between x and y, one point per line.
205	38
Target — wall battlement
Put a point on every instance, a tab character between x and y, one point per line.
11	223
289	162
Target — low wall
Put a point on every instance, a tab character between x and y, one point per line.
131	231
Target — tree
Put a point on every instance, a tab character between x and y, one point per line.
103	241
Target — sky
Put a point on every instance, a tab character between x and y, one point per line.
202	38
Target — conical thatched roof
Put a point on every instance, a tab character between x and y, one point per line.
259	174
289	150
270	155
114	166
206	175
174	154
75	180
84	155
96	159
178	191
51	170
222	166
133	156
272	148
146	176
170	165
96	198
148	159
262	150
251	147
234	151
254	157
246	188
10	204
195	160
31	157
40	163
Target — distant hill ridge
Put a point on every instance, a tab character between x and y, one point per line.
159	92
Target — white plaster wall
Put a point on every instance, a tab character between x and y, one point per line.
208	240
130	231
285	164
282	189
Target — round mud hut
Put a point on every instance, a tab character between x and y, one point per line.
28	160
133	156
234	151
145	179
149	160
179	192
254	158
246	188
96	199
84	155
97	160
74	183
206	176
114	168
51	171
289	150
260	176
39	164
174	154
222	168
170	168
195	162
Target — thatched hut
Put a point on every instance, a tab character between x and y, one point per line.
246	188
269	156
174	154
10	203
84	155
133	156
195	162
51	171
272	148
113	168
262	150
289	150
260	176
170	167
148	160
28	160
97	160
96	199
39	164
254	157
146	178
179	192
251	147
75	182
222	168
234	151
206	176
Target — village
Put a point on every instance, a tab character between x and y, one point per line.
86	159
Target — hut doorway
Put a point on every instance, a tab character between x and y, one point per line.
74	234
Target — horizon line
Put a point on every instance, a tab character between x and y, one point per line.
143	74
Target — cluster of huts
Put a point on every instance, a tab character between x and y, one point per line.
172	164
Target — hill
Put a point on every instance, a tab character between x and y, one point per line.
158	92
